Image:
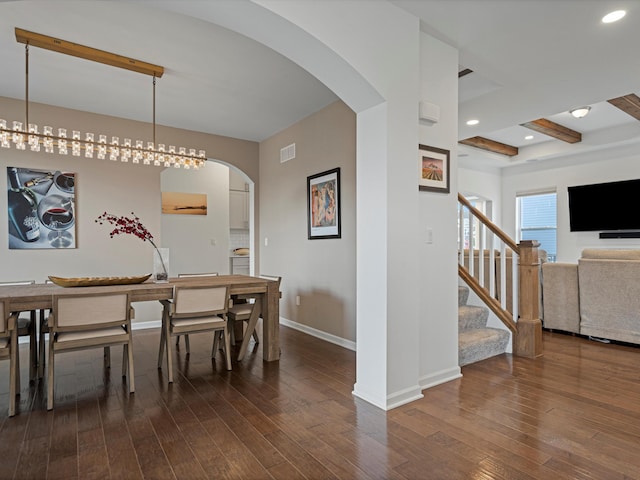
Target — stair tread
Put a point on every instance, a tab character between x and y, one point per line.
482	335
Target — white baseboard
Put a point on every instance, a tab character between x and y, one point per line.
348	344
437	378
391	401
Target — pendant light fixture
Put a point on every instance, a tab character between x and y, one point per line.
28	135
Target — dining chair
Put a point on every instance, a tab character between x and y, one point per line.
26	327
81	321
195	309
241	312
9	349
185	275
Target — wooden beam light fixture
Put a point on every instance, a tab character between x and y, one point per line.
28	134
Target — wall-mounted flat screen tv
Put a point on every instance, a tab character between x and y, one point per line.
604	206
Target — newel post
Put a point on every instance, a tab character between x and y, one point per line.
528	340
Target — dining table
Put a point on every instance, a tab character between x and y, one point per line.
265	291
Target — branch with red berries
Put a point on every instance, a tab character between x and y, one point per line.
130	226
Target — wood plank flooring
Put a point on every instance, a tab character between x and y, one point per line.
572	414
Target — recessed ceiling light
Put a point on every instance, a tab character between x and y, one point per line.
613	16
473	122
529	137
580	112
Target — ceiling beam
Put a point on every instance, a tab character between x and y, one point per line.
628	104
542	125
490	145
88	53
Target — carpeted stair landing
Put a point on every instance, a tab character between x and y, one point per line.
476	341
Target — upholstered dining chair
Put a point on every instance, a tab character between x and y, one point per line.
241	311
9	349
26	327
80	321
185	275
195	309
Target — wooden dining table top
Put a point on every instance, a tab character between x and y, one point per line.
39	296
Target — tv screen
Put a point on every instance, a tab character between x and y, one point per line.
604	206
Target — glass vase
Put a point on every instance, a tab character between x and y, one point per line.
161	265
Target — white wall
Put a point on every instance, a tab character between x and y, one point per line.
381	45
392	277
485	184
198	243
558	174
438	266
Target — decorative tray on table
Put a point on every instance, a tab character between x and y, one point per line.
97	281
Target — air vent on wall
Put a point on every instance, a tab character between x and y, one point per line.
288	153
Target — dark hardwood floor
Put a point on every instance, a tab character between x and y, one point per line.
573	414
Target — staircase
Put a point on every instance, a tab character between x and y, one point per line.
476	341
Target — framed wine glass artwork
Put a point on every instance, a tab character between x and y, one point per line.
41	208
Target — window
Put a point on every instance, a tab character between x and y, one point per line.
537	220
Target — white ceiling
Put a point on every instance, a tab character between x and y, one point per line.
531	59
538	59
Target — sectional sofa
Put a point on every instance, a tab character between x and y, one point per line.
599	296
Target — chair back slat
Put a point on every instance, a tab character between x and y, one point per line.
90	310
200	301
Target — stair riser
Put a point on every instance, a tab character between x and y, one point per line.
472	317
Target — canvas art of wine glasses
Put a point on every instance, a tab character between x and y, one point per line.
41	208
56	213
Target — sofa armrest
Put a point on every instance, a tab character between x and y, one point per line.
560	297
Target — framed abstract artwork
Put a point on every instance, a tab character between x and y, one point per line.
323	205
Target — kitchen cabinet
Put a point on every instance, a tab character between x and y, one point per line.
238	209
239	265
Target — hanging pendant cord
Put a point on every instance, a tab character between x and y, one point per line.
154	112
26	86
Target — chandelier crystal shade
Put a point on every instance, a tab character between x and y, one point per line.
26	135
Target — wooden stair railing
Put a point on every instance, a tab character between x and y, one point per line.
484	252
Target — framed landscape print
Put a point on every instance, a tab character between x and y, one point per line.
41	208
178	203
434	167
323	205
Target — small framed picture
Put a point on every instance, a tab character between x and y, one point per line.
323	205
434	167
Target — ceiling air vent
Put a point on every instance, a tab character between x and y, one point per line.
288	153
